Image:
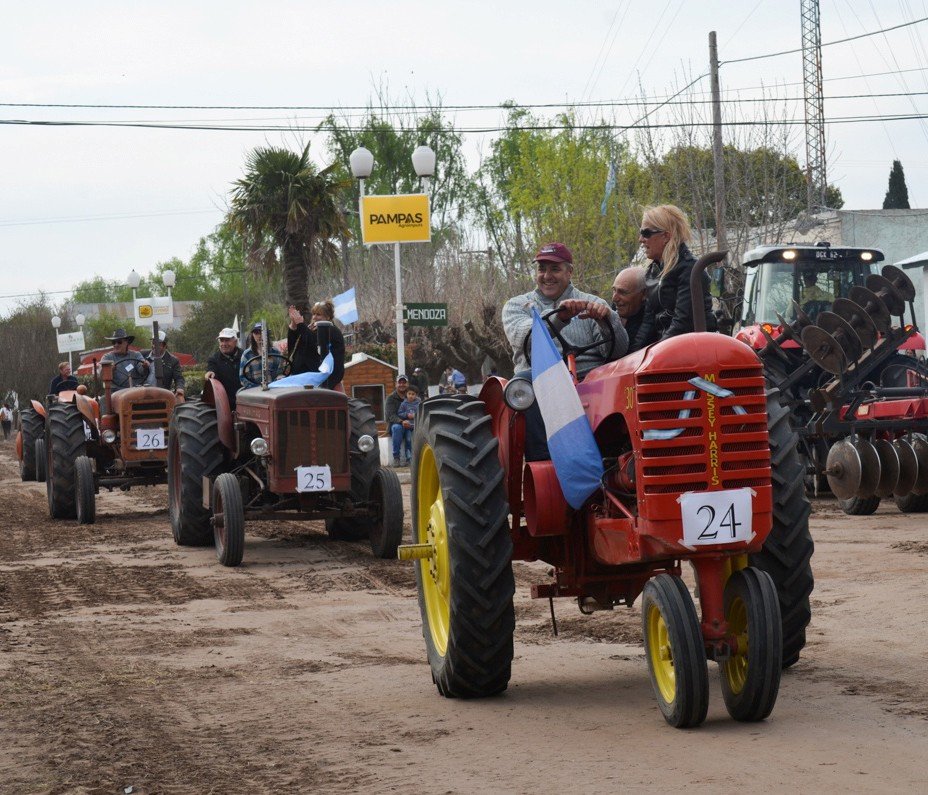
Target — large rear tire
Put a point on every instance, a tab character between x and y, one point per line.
84	491
860	506
675	651
194	452
787	553
751	676
228	520
363	467
65	442
465	586
33	427
387	531
40	456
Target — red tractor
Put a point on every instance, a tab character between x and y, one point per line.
289	453
701	467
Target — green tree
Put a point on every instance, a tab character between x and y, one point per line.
289	214
897	195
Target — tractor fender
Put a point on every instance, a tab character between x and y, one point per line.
546	510
89	409
39	408
214	394
914	343
19	445
509	430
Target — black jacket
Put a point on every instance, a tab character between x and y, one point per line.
337	344
60	384
669	302
226	370
393	407
303	350
172	376
640	329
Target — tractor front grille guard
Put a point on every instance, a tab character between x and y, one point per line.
308	438
144	415
700	433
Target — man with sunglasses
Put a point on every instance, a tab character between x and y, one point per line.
129	367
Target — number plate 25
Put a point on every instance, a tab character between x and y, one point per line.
314	478
717	517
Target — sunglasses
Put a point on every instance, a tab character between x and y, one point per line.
647	233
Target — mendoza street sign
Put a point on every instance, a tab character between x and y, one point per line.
427	314
395	219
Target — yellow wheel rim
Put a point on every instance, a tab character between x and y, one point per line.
661	654
432	529
735	669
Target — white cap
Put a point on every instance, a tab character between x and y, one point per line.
161	336
227	334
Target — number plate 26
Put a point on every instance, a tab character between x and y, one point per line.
717	517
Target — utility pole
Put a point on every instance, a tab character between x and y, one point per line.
814	103
718	170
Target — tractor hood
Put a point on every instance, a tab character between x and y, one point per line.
289	398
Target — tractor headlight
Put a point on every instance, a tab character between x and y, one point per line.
519	394
258	446
366	443
109	436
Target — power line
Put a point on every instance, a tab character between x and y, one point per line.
113	217
827	43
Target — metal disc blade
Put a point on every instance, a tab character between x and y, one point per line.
824	350
908	467
843	470
870	302
858	320
900	280
802	319
884	288
889	467
920	446
869	466
788	332
842	331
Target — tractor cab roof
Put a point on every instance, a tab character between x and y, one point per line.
820	253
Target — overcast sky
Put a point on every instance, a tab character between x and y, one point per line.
83	201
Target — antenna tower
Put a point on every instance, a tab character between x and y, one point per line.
814	103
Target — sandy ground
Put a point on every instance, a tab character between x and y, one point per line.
128	662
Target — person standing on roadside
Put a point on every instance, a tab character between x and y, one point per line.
394	420
6	421
63	381
223	364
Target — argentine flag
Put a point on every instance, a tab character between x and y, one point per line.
577	460
304	379
346	307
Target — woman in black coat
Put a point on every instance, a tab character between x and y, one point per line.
325	311
664	234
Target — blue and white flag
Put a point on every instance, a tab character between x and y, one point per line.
305	379
346	307
576	457
610	186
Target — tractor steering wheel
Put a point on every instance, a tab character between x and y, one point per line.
251	372
566	347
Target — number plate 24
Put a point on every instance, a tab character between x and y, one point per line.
717	517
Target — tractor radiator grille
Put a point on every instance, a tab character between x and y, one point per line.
703	443
312	438
144	415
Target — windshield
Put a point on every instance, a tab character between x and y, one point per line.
779	286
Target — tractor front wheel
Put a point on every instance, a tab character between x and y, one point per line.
363	467
85	491
40	459
465	583
387	531
65	443
751	676
228	520
673	645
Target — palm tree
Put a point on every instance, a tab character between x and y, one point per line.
284	205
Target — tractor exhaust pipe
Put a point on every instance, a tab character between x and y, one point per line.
699	313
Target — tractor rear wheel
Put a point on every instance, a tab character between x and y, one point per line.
465	585
387	531
33	428
673	645
84	491
787	552
913	503
363	467
65	443
860	506
228	520
40	459
751	676
194	452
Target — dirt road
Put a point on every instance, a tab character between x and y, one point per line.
126	661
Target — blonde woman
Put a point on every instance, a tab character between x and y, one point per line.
325	311
664	235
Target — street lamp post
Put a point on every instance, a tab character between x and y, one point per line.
56	324
362	164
